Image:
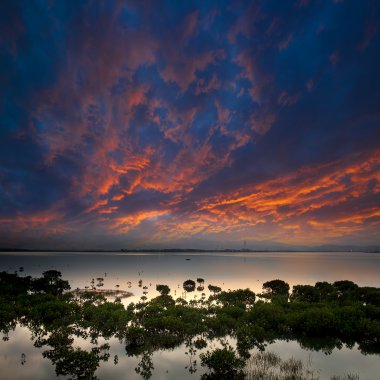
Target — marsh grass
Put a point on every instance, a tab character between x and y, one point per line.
269	366
348	376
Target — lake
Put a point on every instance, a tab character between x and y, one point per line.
19	359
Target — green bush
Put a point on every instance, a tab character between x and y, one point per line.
223	362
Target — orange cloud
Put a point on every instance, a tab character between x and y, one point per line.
126	223
42	223
311	204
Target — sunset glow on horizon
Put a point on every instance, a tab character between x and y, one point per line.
128	124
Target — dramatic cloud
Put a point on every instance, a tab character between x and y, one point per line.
141	123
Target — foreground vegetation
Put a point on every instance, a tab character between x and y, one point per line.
319	317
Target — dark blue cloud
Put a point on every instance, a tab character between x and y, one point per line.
111	109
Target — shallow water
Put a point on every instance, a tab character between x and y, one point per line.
229	270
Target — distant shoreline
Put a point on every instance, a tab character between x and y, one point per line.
181	250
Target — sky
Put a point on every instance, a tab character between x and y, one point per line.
208	124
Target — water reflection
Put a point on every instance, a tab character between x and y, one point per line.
80	353
167	363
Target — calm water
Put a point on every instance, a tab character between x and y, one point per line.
230	271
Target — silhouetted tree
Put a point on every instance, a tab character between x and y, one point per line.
305	293
163	289
347	290
51	282
215	289
189	285
327	292
276	288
